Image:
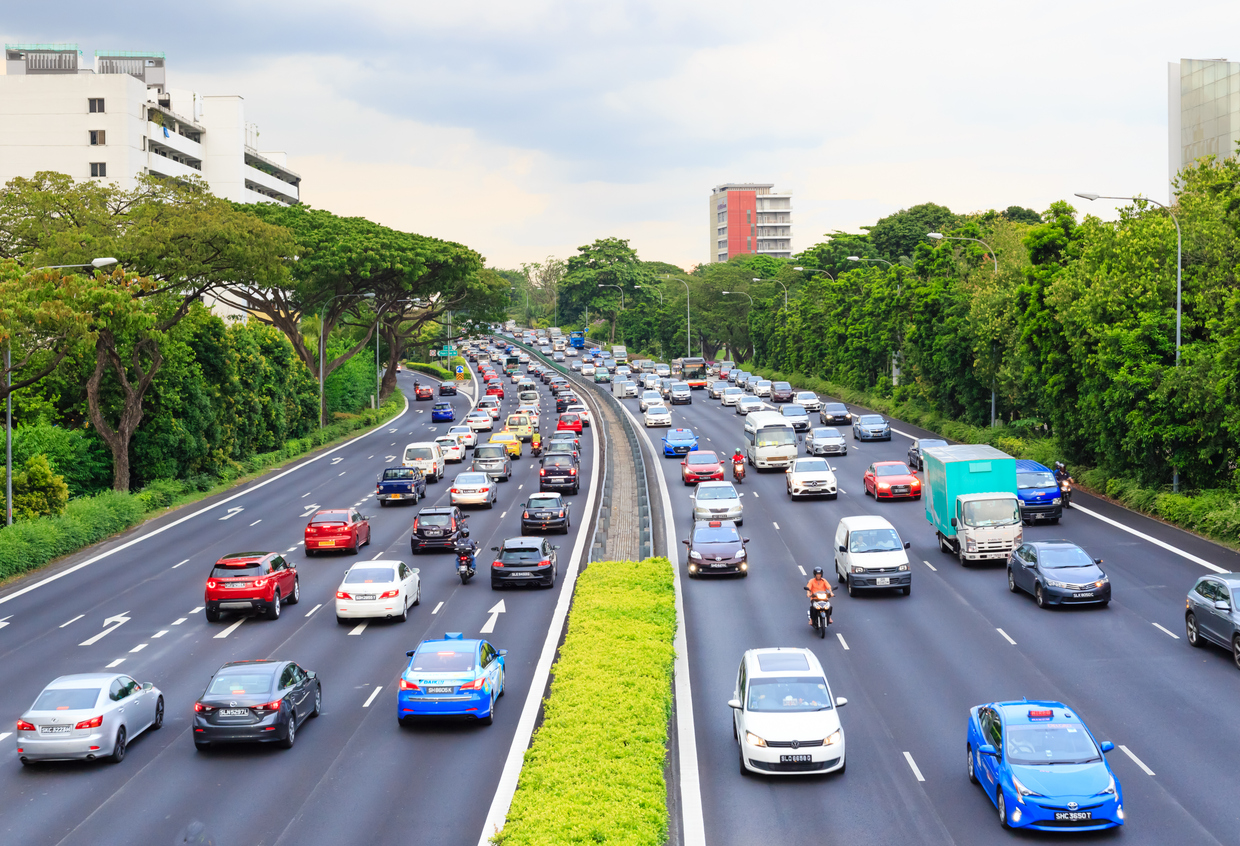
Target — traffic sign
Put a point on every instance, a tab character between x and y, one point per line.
448	351
460	371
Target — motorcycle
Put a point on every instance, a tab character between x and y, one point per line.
738	469
1065	492
820	612
465	556
536	448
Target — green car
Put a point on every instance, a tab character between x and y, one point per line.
602	375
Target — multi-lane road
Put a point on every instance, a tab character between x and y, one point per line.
355	776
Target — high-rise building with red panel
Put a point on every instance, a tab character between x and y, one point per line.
749	217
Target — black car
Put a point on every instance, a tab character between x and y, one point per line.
563	400
833	413
1212	615
256	702
914	451
543	512
559	472
1058	572
447	389
437	527
781	392
524	561
715	547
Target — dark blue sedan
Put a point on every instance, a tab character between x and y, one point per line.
443	413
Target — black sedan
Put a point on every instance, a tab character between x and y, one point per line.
834	414
1058	572
256	702
545	512
524	561
558	471
716	548
914	451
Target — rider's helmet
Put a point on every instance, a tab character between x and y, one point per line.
1059	465
818	572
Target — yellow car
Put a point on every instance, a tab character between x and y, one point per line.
521	425
510	441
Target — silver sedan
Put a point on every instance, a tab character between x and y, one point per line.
717	501
88	716
825	440
472	488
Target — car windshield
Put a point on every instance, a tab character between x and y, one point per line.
871	420
366	575
472	479
434	519
657	409
1040	479
874	540
331	517
794	411
715	534
1055	557
680	436
569	418
835	408
250	569
447	441
991	512
434	660
518	420
66	699
1050	743
479	415
812	465
807	395
443	406
650	395
781	386
419	453
788	694
890	470
927	443
750	401
240	682
733	391
716	492
702	458
827	435
775	436
521	555
558	460
489	451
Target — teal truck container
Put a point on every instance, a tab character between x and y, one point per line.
971	501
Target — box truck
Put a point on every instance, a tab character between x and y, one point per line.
970	496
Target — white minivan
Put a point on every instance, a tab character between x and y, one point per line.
770	439
427	457
869	555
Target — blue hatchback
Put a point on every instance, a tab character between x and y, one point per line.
451	676
443	413
679	442
1042	768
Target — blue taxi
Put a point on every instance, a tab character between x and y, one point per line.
1042	768
451	676
443	413
679	442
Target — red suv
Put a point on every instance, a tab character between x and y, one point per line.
251	581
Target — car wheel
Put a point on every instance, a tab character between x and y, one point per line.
273	610
850	585
159	714
741	759
213	614
1011	581
341	620
290	736
490	717
356	546
309	552
201	746
1191	631
295	597
318	701
417	597
368	537
1038	597
404	613
382	503
972	773
118	751
1235	650
1002	806
908	589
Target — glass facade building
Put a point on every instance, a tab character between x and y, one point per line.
1203	112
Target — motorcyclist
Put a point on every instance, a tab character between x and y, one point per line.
1061	472
536	443
818	584
738	463
466	545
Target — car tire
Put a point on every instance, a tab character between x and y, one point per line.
318	701
490	717
1011	581
309	552
290	735
417	597
159	715
118	751
341	620
201	745
1038	597
849	582
741	759
404	613
1001	805
908	590
295	596
972	772
213	614
273	610
1235	651
368	537
1192	631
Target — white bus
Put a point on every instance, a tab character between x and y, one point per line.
770	440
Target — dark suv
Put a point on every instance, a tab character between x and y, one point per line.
257	582
559	473
524	561
563	400
437	527
781	392
1212	616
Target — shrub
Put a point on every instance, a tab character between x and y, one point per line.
37	490
30	544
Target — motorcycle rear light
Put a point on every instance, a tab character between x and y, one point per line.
342	595
389	594
22	725
476	684
93	722
408	685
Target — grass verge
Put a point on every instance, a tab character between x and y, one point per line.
594	771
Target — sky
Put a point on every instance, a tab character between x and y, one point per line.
525	130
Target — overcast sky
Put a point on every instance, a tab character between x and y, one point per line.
526	129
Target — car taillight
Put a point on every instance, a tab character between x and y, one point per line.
388	594
22	725
453	490
542	471
211	585
415	524
525	515
93	722
268	706
342	595
476	684
200	708
497	563
563	513
408	685
260	583
546	562
572	472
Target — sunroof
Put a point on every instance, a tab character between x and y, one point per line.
775	662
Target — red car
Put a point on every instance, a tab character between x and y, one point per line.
569	422
342	528
891	479
495	389
423	392
251	581
701	466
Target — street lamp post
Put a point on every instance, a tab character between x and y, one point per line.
780	284
859	258
1179	264
618	288
815	270
323	349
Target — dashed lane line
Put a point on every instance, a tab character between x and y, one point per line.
1166	631
256	522
306	494
174	566
931	566
502	516
179	620
315	608
1136	760
437	607
230	629
1006	636
115	663
196	610
74	620
843	642
373	694
159	633
802	569
139	647
358	629
773	523
913	766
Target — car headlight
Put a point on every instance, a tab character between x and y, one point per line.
857	569
1053	583
1022	791
902	567
1057	501
695	555
1110	789
753	740
1101	582
740	554
835	737
970	545
883	486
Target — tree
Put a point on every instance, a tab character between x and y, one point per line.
608	261
832	255
897	235
1020	214
40	320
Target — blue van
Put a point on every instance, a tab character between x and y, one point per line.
1038	492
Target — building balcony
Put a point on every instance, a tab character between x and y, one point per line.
258	161
173	141
252	196
267	184
159	165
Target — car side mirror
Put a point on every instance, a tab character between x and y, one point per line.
1097	560
953	522
495	549
503	652
685	542
1106	746
987	749
908	545
409	654
148	686
840	702
555	546
841	549
311	674
734	704
1222	605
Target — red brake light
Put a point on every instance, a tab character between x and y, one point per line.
388	594
546	562
199	707
211	585
476	684
342	595
497	563
1041	715
525	515
408	685
94	722
453	490
542	471
415	524
22	725
268	706
572	472
260	582
715	524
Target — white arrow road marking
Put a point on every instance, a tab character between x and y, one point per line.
337	459
389	458
230	629
114	623
2	621
496	610
358	629
372	696
390	431
310	509
1136	760
233	512
913	765
74	620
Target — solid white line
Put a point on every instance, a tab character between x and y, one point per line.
256	522
1006	636
230	629
139	647
1135	759
74	620
843	642
773	523
159	633
931	566
372	696
1168	631
115	663
179	620
212	507
437	607
913	765
359	628
1153	540
802	569
315	608
174	566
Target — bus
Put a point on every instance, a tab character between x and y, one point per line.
691	370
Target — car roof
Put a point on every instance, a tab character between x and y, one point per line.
773	655
266	663
1043	544
1017	712
448	640
703	452
716	484
80	678
828	429
243	556
1024	465
678	431
1231	579
866	521
890	464
523	542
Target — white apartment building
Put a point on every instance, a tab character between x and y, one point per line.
119	119
1203	112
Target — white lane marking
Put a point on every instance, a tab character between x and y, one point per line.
437	607
755	493
179	620
196	610
1153	540
377	557
111	624
1135	759
931	566
390	458
773	523
230	629
4	621
256	522
159	633
369	457
843	642
115	663
519	487
174	566
74	620
359	628
139	647
315	608
342	472
372	696
913	766
841	490
337	459
489	626
301	543
291	549
1167	631
233	512
5	734
502	516
187	517
392	444
306	494
1006	636
802	569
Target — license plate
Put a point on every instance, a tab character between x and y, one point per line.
53	729
395	496
1074	816
542	516
237	585
882	581
327	543
1082	595
438	689
235	712
718	564
363	596
434	533
795	759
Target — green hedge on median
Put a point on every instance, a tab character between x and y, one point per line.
594	772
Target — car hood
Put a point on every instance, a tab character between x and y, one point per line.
815	476
795	725
903	479
718	503
727	550
1074	575
710	467
1064	779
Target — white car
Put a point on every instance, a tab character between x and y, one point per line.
808	400
452	449
658	415
785	718
746	404
579	409
762	388
649	398
88	716
479	420
464	435
650	380
587	370
378	589
717	501
731	394
811	477
491	406
473	489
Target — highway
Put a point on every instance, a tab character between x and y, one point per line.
911	667
354	776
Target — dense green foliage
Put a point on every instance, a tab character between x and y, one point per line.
594	771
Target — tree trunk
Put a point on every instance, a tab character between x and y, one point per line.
395	348
132	393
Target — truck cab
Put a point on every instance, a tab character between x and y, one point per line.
971	501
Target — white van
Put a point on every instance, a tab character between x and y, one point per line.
623	388
869	555
770	440
427	457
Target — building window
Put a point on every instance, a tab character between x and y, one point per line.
98	137
96	104
98	169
